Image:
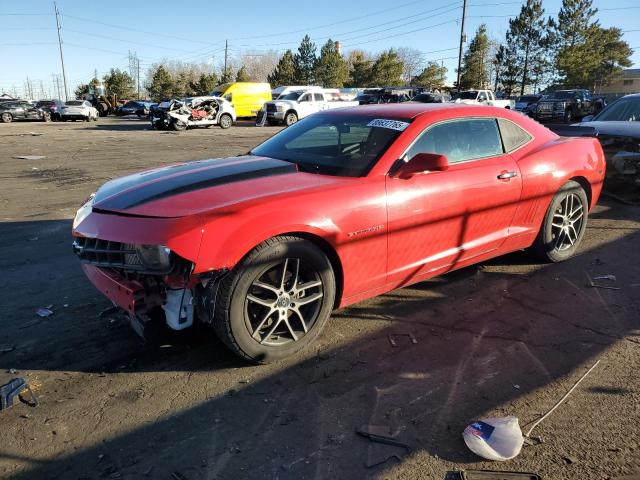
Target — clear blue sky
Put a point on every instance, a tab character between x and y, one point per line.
196	31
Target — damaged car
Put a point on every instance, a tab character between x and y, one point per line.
342	206
618	129
193	112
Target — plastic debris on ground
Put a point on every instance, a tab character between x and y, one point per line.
494	438
14	388
29	157
44	312
606	277
393	336
496	475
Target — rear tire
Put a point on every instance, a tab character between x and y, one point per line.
7	117
564	224
178	126
276	301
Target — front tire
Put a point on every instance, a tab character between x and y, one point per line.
225	121
564	224
7	117
276	301
290	119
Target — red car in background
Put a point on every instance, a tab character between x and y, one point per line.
342	206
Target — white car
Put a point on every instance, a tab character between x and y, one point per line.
483	97
79	110
293	106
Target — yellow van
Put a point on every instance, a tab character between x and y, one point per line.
247	97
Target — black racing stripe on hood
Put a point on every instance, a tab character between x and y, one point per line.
220	174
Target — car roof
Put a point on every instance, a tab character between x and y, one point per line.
413	110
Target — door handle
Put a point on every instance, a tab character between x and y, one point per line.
507	175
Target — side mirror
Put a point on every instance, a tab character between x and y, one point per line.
421	163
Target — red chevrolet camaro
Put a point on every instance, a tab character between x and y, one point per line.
342	206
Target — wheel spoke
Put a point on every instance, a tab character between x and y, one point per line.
306	286
256	332
309	299
559	239
575	234
302	322
260	301
577	215
293	334
266	286
273	329
296	275
284	273
557	225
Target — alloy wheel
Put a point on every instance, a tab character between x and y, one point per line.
567	222
283	303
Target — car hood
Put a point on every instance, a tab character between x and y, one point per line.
622	129
203	186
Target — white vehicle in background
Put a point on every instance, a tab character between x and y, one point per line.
293	106
483	97
78	110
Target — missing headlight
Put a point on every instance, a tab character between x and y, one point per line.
154	257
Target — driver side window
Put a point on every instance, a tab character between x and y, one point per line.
460	140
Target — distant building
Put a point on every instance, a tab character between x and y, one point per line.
623	84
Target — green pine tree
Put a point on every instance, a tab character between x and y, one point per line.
162	85
432	77
360	74
330	70
527	32
205	84
387	69
119	83
304	62
242	75
284	73
474	72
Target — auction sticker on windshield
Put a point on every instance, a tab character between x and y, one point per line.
392	124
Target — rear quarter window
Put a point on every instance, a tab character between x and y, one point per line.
513	136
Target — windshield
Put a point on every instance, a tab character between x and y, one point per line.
624	110
291	95
562	95
527	99
330	144
467	95
74	103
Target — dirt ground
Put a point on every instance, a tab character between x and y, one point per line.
508	337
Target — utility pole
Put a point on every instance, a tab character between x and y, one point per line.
226	46
64	73
138	74
41	90
462	40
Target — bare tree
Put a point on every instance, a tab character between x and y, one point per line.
413	62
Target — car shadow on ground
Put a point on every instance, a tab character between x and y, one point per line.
483	339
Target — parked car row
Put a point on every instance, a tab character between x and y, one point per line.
47	110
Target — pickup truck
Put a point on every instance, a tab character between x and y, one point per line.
483	97
565	105
293	106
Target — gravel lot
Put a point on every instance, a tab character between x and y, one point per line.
508	337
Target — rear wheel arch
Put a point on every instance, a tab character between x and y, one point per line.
586	186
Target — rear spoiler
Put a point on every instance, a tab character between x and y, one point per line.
573	131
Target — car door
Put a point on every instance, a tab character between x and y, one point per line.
19	111
439	219
305	104
319	102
